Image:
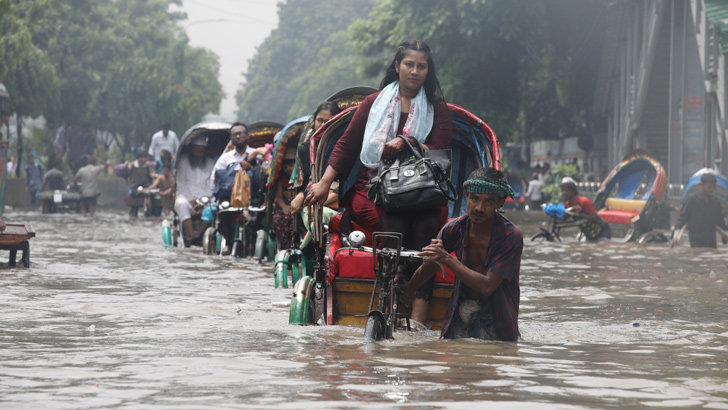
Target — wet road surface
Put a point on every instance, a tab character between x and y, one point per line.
106	317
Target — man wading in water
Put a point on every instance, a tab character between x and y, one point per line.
702	214
487	246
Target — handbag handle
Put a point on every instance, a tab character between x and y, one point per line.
450	188
417	152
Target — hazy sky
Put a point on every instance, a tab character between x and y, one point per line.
232	29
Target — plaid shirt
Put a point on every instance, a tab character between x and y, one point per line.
503	259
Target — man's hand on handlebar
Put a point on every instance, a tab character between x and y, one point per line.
434	252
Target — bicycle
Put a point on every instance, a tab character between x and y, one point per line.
389	266
556	213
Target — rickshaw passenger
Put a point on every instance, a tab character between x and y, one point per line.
164	182
282	215
245	157
193	182
324	112
140	175
409	103
165	158
53	179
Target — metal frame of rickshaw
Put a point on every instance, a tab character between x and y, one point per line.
293	259
291	134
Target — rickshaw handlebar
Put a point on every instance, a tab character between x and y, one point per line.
391	251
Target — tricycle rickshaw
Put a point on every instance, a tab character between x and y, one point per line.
217	134
246	221
352	271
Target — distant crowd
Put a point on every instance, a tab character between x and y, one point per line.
73	166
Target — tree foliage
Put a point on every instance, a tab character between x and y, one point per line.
24	68
526	67
308	57
122	66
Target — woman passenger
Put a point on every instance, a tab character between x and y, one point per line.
324	112
282	219
409	103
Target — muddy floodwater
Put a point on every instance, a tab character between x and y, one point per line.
106	317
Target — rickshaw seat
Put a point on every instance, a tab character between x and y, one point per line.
617	217
621	211
358	264
629	205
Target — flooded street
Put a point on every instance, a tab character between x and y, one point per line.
108	317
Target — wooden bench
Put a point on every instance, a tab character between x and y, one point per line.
15	238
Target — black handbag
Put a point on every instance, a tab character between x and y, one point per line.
417	179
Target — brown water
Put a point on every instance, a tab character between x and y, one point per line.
106	317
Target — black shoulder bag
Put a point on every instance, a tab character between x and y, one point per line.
416	180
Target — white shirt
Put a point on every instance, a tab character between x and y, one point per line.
229	158
533	192
194	182
160	142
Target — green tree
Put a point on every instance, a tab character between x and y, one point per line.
338	66
522	66
296	66
122	66
24	69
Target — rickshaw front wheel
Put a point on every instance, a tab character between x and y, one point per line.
374	329
237	249
209	241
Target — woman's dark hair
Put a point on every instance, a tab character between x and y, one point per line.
330	106
432	85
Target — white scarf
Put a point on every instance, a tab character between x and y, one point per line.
383	122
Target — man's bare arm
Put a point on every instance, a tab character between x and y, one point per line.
483	284
421	275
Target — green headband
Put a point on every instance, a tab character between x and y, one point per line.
481	186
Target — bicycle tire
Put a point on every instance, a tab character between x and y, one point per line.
374	329
540	237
